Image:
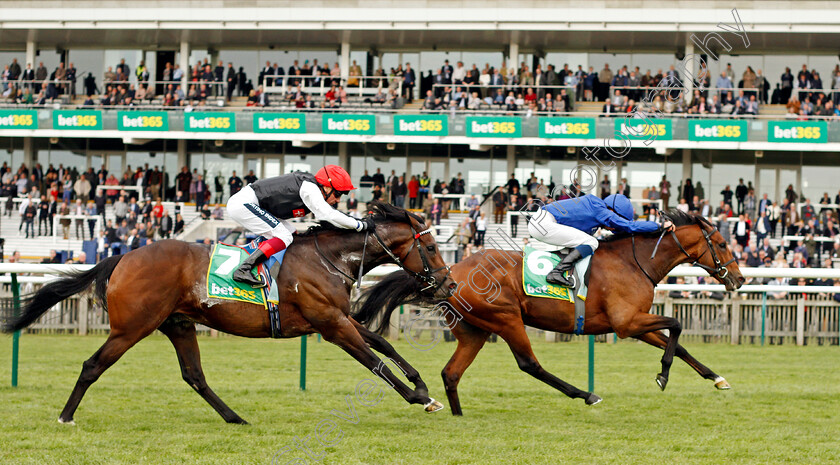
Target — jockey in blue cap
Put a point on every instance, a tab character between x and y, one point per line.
570	223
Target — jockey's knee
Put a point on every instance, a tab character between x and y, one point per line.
591	242
280	232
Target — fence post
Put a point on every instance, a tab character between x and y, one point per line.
668	307
83	316
800	321
16	336
763	316
735	321
303	362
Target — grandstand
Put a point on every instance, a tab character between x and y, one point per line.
507	88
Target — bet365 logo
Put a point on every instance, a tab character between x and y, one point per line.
231	291
77	121
13	121
493	127
718	131
797	132
644	129
210	122
348	124
142	121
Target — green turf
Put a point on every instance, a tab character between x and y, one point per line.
784	407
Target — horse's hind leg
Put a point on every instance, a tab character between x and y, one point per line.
379	344
657	339
470	342
520	345
116	345
182	335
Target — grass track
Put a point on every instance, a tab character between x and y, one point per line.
784	407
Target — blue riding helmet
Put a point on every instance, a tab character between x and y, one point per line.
621	206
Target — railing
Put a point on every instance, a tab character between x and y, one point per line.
367	85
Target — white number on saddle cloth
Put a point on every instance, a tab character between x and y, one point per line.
232	261
539	263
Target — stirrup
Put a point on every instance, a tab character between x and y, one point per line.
566	279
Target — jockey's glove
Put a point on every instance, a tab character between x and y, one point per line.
366	224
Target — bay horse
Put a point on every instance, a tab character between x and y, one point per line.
164	286
625	270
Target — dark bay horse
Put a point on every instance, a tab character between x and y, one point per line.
163	286
490	299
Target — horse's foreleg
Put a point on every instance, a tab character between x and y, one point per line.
379	344
520	345
182	336
643	323
657	339
470	341
344	334
116	345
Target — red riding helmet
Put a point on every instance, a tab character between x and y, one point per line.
335	177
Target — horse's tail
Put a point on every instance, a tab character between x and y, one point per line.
74	282
389	293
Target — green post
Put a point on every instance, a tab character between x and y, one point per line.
16	337
763	314
591	363
303	362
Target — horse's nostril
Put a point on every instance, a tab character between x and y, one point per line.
742	279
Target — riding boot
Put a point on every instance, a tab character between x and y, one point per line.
245	272
558	274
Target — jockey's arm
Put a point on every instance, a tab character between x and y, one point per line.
311	195
611	220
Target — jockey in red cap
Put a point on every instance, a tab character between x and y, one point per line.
263	207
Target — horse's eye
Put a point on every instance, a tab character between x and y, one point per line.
722	245
430	248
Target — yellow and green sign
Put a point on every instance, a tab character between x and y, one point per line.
348	124
567	128
210	122
421	125
280	123
639	129
717	130
797	131
494	126
142	121
18	119
77	119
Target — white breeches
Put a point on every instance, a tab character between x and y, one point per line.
543	227
244	208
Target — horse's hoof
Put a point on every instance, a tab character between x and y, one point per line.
593	399
721	384
661	381
433	406
71	422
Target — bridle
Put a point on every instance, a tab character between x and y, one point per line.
427	277
718	270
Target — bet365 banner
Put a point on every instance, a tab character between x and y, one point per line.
421	125
717	130
639	129
77	119
797	131
210	122
18	119
348	124
494	126
280	123
142	121
567	128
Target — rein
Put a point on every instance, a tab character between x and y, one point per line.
426	277
718	270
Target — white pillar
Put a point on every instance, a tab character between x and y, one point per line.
686	164
690	70
446	177
511	160
31	50
344	60
185	66
513	58
30	153
343	156
182	154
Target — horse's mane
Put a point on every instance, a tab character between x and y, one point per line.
678	217
379	211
